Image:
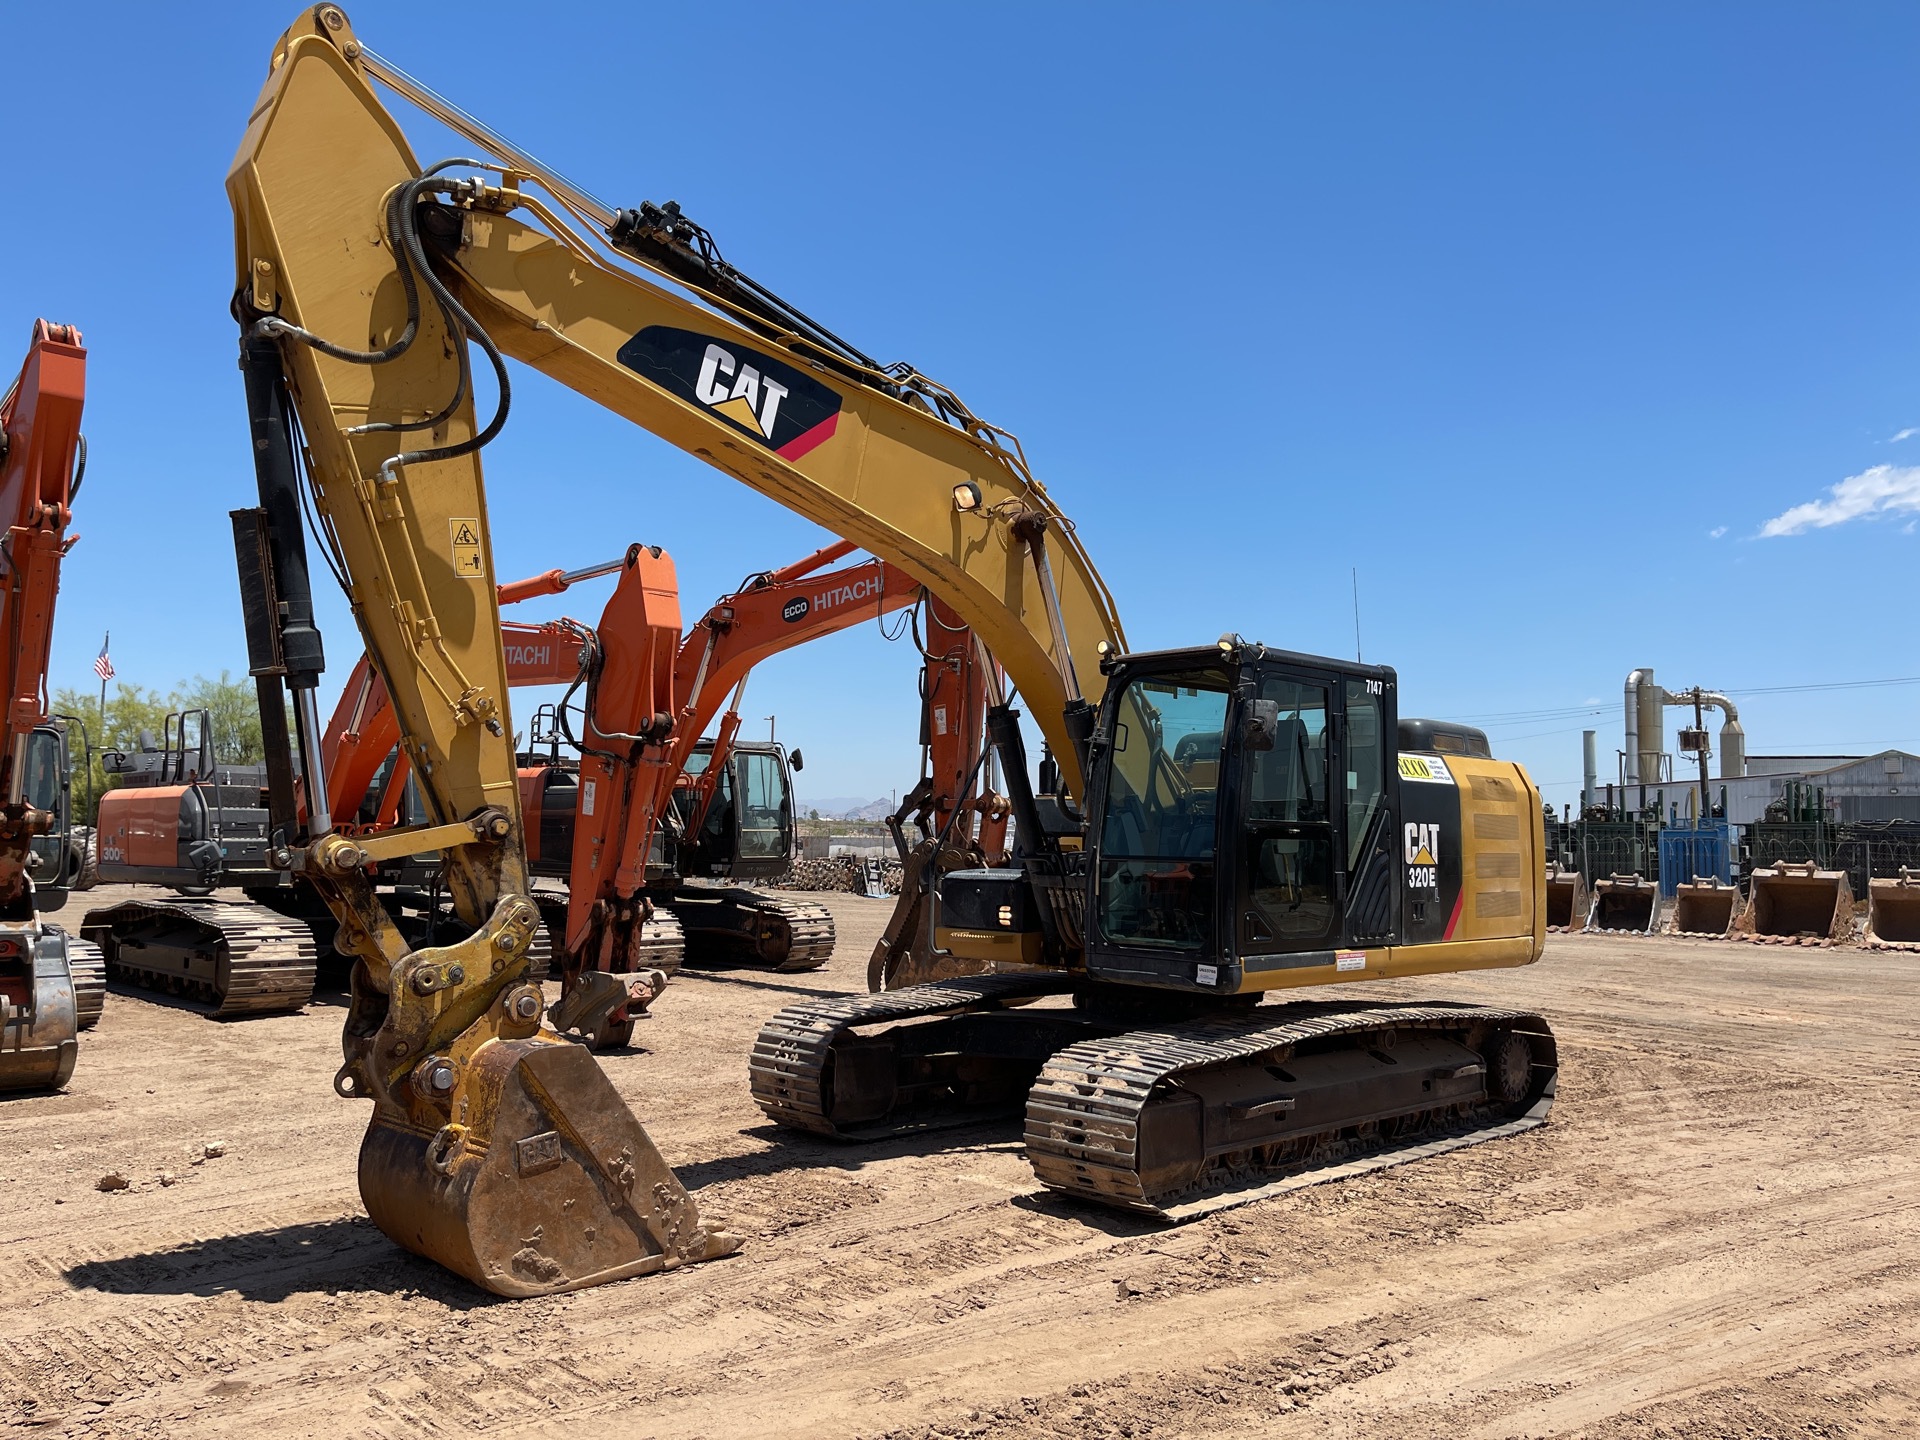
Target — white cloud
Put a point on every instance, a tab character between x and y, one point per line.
1906	434
1877	490
1716	532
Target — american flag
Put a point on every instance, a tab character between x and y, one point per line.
103	666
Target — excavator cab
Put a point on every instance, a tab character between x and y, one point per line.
1262	819
748	831
1244	819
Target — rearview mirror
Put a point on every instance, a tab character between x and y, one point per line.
795	760
1260	725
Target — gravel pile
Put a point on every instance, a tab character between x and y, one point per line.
841	872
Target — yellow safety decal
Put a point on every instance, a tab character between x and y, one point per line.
1425	767
467	560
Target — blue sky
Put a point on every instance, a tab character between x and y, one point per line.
1538	316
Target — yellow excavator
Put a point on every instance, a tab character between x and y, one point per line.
1210	823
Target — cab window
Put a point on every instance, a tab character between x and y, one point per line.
1157	844
1287	830
763	806
1366	770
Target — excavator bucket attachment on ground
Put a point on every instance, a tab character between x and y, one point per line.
1704	907
1624	904
1799	902
1566	899
39	1021
551	1185
1893	910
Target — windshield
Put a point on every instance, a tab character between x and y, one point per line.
42	784
1156	867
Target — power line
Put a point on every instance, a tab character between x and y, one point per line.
1568	712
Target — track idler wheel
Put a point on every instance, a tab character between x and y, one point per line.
1509	1069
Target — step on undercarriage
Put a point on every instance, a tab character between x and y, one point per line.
1171	1120
237	957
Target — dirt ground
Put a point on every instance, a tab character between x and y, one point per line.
1717	1236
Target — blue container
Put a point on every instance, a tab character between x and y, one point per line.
1688	852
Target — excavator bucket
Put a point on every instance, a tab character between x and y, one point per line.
1704	907
551	1185
39	1020
1893	910
1624	904
1800	901
1566	898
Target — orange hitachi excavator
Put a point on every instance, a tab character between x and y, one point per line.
51	986
647	872
639	831
960	823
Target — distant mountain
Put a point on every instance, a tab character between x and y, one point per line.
846	807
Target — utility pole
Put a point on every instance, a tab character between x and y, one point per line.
1700	725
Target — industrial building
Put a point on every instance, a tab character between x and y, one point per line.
1859	813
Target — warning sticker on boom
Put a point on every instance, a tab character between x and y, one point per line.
1425	767
466	548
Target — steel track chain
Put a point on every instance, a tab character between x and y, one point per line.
267	960
89	969
1083	1113
810	933
787	1070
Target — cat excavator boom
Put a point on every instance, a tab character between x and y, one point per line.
1212	823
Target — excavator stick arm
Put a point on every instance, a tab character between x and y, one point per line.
40	416
495	1147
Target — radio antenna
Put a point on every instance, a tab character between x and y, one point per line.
1356	614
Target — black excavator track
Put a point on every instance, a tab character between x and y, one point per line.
732	925
1171	1121
236	956
1149	1119
809	1068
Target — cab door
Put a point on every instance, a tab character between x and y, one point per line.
1316	829
1368	722
1291	861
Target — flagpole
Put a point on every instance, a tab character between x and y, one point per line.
106	639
